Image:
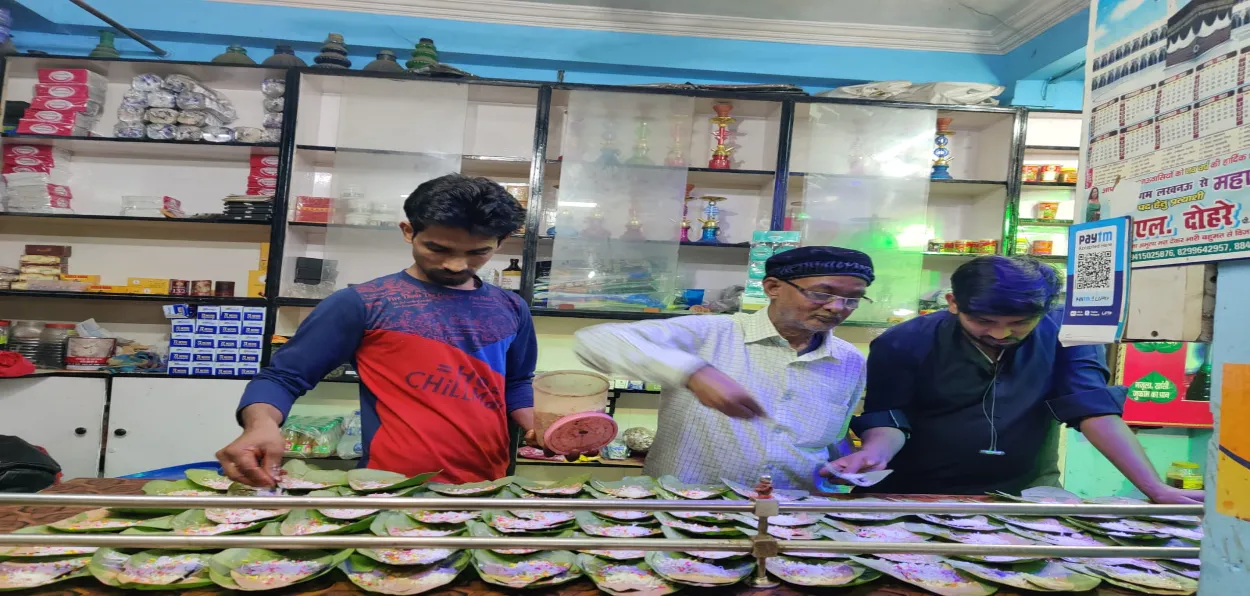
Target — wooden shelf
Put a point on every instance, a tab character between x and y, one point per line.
148	148
236	300
1049	184
1045	223
137	225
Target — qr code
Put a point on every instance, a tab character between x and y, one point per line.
1093	270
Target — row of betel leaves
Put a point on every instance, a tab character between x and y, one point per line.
412	571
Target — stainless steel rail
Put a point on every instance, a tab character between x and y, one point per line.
477	504
645	544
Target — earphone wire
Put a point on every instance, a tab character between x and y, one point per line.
990	415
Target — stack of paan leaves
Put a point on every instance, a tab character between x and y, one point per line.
699	568
1039	576
1002	538
542	569
34	572
937	576
673	489
740	491
253	569
820	572
300	476
1137	575
624	578
209	479
373	576
151	569
894	564
528	567
631	487
687	569
110	521
471	489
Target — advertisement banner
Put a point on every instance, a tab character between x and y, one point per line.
1166	138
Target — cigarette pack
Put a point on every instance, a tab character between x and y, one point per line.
202	370
84	106
225	370
62	129
208	313
264	161
178	370
180	354
78	76
71	91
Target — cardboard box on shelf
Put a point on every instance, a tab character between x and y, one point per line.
72	91
87	279
231	356
181	340
264	257
256	284
202	370
264	161
182	326
248	370
254	314
180	354
39	127
250	342
231	313
249	356
78	76
203	341
208	313
148	285
178	370
50	250
225	370
107	289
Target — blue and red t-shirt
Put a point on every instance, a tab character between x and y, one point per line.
440	370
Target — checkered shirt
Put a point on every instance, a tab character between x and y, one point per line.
809	397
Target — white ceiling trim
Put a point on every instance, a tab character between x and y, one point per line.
1035	17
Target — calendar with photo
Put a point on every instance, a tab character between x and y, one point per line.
1174	128
1168	125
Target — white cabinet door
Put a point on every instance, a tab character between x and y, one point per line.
157	423
64	415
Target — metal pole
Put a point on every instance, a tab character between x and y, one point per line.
650	544
120	27
478	504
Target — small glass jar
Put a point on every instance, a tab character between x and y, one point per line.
1185	475
52	344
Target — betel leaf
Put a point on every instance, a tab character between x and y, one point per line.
620	578
396	523
209	479
184	488
1011	575
569	487
303	522
507	523
596	526
371	481
252	569
472	489
701	528
524	571
980	538
814	572
43	551
684	569
480	530
691	491
35	572
711	555
407	556
781	495
106	520
614	555
302	476
1043	494
372	576
151	570
1120	580
195	522
1153	387
341	514
937	577
631	487
243	516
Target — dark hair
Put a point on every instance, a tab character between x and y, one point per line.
1007	286
478	205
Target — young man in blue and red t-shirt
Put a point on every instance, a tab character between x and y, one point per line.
444	359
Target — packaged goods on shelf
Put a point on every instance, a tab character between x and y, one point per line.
152	207
249	207
66	102
312	436
176	107
313	209
36	179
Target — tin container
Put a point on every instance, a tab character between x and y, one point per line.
1022	246
202	287
987	247
1049	173
179	287
1046	210
1067	175
1030	173
1041	247
88	353
961	247
934	246
948	246
224	289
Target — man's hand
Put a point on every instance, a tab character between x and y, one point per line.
1168	495
855	463
717	391
255	458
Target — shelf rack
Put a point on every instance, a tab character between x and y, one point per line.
540	172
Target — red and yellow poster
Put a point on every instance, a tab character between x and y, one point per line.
1169	384
1232	472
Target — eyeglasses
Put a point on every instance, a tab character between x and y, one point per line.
823	299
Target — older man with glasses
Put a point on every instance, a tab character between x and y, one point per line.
750	394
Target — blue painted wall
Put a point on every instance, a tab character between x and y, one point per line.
505	51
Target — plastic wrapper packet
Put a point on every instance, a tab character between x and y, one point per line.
161	115
273	120
180	84
274	105
350	446
218	134
147	82
273	88
189	133
135	97
129	130
161	132
272	135
198	118
207	103
249	134
130	113
162	99
312	436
